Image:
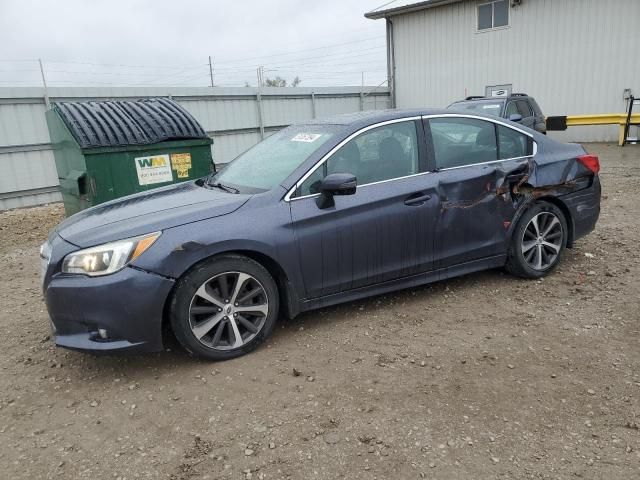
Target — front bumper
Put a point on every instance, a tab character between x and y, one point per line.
128	305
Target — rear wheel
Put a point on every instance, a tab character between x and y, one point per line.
538	241
224	308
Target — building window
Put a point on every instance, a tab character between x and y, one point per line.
493	15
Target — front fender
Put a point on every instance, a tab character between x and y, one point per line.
264	230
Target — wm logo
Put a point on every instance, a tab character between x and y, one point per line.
151	162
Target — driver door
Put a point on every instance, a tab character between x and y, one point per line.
382	232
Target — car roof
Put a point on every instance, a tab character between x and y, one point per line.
373	116
483	99
513	96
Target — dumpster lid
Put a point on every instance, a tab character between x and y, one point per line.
132	122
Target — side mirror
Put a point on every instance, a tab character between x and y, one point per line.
515	117
335	184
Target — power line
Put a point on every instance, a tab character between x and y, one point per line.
340	55
301	50
20	60
137	74
163	78
323	66
125	65
235	60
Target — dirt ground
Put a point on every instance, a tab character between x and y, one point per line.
484	376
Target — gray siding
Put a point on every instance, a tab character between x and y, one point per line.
573	56
229	115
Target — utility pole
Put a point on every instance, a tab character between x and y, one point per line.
260	72
44	82
211	70
362	94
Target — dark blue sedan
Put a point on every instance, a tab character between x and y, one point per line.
317	214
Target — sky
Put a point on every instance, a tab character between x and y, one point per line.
168	43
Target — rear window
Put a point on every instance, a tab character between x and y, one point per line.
484	107
534	105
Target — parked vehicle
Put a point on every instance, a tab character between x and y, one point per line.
517	107
317	214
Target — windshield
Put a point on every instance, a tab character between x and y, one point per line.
485	107
269	162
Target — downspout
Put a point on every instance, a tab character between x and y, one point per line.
391	63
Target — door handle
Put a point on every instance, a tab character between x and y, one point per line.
417	199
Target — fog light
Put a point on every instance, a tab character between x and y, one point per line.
103	333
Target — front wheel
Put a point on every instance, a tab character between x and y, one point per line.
538	241
224	308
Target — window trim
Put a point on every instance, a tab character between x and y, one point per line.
289	196
427	134
493	29
495	122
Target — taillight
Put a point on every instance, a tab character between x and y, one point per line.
591	162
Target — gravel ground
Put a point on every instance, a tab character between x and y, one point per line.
484	376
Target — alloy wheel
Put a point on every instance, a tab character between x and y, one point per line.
228	310
542	240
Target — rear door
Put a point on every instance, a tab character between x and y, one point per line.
385	230
473	157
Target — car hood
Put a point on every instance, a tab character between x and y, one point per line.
147	212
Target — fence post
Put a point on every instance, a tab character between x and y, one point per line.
313	105
44	83
260	119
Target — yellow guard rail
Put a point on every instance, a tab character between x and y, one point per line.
620	119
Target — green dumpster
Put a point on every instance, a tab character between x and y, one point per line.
108	149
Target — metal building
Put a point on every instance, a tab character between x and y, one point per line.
574	56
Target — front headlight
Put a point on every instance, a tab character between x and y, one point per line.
108	258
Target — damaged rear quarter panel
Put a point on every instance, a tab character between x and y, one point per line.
481	204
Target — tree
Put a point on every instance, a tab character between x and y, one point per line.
281	82
275	82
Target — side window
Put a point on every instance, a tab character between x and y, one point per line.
523	108
382	153
462	141
512	109
485	16
493	14
312	184
513	143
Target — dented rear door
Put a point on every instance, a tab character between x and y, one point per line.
473	185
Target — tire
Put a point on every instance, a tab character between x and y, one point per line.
525	248
205	320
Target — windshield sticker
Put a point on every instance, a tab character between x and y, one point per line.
490	106
306	137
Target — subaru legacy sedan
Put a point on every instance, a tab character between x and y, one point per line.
317	214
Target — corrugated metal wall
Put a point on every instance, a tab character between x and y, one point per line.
229	115
573	56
